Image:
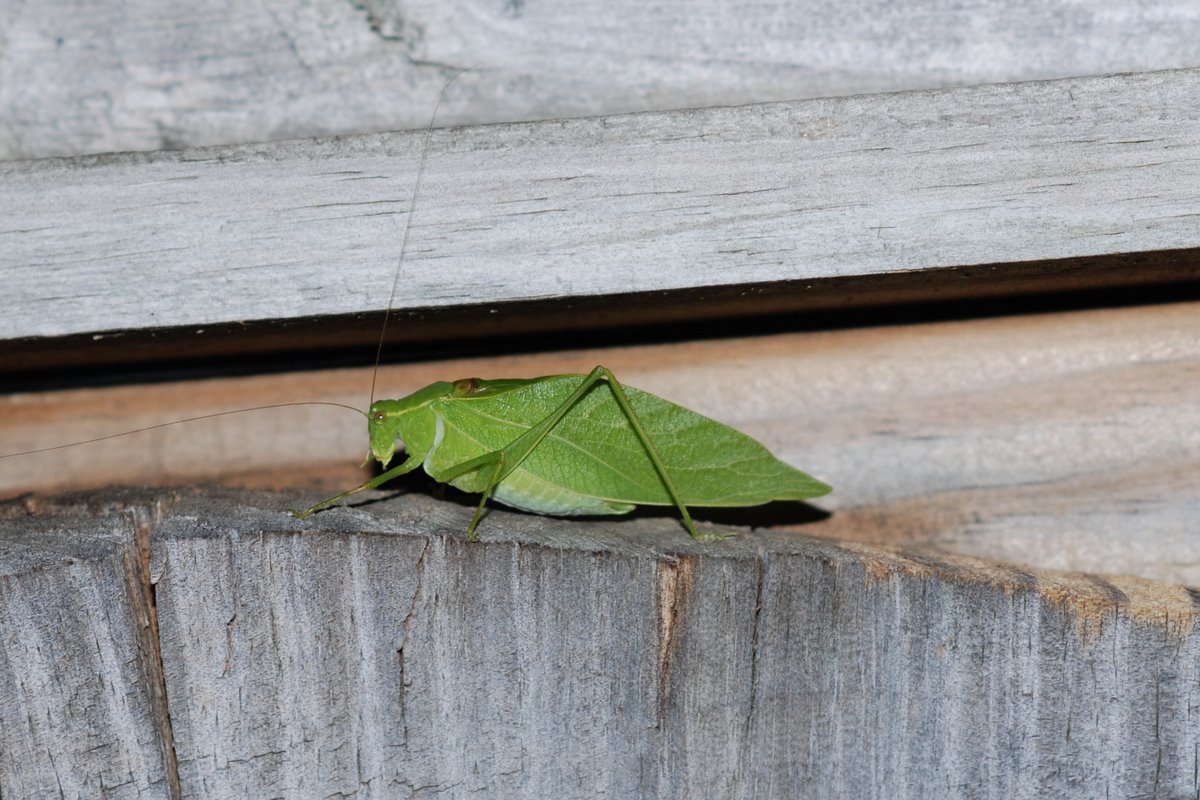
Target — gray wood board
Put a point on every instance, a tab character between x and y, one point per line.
372	652
86	77
790	194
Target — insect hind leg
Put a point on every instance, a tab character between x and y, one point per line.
635	422
510	457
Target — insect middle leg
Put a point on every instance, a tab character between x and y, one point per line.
505	460
495	460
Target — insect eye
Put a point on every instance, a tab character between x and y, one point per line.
379	416
466	386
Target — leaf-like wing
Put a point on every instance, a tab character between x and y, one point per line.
594	459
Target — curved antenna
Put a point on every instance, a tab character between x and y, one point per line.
412	207
179	422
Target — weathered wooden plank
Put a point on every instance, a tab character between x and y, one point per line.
1007	182
100	77
1067	440
82	712
374	652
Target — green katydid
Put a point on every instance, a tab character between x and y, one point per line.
572	445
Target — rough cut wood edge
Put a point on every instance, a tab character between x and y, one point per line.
104	76
785	195
373	651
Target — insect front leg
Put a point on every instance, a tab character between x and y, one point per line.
409	465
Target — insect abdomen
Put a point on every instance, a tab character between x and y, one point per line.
519	490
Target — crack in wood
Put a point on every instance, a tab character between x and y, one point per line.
406	626
674	583
142	593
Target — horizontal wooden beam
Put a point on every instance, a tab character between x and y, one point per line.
87	77
789	195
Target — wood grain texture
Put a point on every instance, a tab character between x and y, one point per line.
1068	440
83	77
81	703
373	652
1000	178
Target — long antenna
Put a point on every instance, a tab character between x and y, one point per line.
177	422
412	207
